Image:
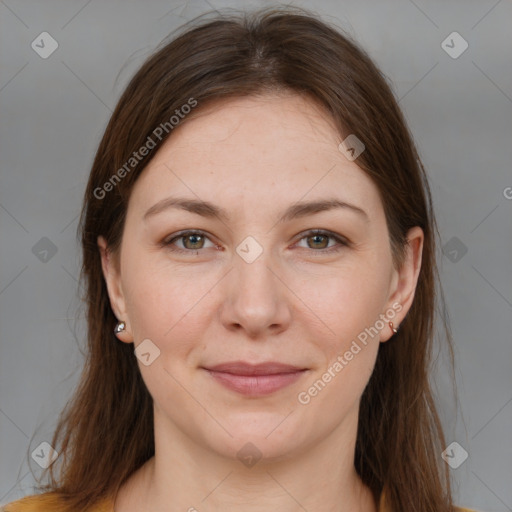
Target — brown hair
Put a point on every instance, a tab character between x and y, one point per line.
106	431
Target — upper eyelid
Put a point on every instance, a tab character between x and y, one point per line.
181	234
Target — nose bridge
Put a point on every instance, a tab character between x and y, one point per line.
256	301
255	283
254	278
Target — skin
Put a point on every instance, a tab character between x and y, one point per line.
296	304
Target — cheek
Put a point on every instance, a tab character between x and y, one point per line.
166	303
348	307
169	307
343	303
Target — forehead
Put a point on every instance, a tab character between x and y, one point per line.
263	123
265	149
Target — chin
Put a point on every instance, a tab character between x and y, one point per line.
260	435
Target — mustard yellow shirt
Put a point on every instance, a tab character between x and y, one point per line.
48	502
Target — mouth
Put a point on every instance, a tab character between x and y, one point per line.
255	380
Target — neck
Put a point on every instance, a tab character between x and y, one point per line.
187	476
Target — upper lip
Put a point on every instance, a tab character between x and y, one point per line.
243	368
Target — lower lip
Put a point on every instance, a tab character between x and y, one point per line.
256	385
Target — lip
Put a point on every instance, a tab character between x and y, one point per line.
255	380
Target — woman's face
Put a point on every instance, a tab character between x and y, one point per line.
219	263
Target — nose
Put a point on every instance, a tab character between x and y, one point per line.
257	301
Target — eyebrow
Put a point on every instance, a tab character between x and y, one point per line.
209	210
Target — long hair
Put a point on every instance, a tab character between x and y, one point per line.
105	433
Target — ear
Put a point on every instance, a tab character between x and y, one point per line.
112	277
404	281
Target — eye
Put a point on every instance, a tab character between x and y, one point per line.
318	240
190	240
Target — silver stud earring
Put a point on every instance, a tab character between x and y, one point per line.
392	328
120	326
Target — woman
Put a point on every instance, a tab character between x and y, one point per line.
259	261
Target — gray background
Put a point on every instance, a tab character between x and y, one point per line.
53	113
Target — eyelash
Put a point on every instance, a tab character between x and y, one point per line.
168	243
